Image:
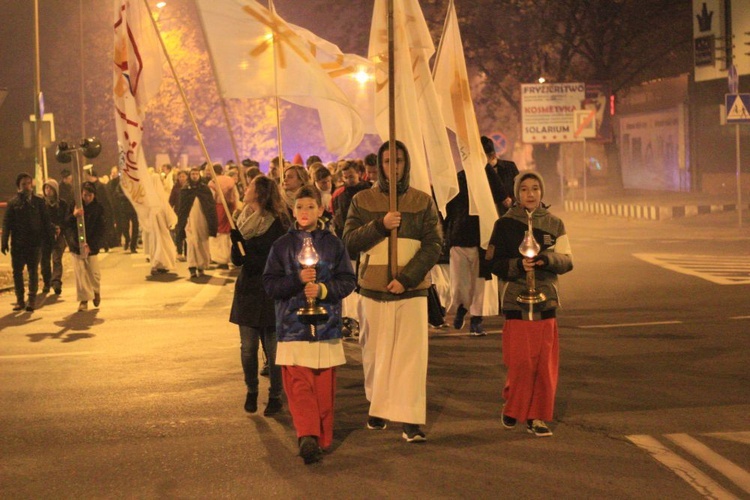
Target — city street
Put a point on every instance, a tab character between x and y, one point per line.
142	397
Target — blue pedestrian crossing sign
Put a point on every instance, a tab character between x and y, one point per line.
737	108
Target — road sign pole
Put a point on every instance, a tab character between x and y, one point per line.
739	175
585	174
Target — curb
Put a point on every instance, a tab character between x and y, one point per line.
648	212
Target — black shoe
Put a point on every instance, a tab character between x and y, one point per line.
413	434
20	306
251	402
376	424
475	327
273	407
223	266
508	422
309	449
45	289
97	300
264	371
58	289
459	320
538	428
193	272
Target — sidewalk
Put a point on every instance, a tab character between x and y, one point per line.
656	205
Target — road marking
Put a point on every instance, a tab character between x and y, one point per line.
703	484
740	317
737	437
722	270
436	332
625	325
736	474
47	355
208	292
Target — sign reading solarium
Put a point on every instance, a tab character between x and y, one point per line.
548	110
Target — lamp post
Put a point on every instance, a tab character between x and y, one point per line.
312	313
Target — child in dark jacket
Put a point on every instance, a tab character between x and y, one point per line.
530	335
308	362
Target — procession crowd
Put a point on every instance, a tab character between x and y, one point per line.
311	242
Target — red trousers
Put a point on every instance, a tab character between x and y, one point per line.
310	394
531	354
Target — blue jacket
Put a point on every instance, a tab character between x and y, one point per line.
281	282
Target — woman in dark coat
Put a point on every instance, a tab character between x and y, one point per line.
263	220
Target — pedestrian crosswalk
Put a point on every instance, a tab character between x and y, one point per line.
722	270
688	455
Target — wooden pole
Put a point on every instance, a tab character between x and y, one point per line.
224	110
39	172
276	99
392	153
210	167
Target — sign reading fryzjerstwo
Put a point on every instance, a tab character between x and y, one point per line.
547	111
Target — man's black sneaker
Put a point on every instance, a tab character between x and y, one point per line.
376	424
20	306
58	289
413	434
45	289
251	402
309	449
265	370
538	428
458	321
273	407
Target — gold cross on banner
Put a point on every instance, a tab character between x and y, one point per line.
280	32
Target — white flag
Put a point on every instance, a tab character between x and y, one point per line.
138	64
353	74
452	84
242	37
419	122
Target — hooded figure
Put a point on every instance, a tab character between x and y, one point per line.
52	253
530	335
196	221
393	327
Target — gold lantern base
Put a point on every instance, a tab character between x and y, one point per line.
531	297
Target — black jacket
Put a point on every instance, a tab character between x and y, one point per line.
188	194
93	218
26	223
251	305
462	229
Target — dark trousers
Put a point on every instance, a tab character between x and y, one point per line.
28	257
127	226
52	262
250	337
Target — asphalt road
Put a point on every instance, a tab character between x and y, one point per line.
143	397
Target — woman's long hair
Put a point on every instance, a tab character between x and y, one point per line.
268	194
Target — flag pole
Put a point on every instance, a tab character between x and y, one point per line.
442	37
221	97
194	122
276	97
392	154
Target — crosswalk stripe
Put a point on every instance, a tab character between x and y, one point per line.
624	325
684	469
736	474
722	270
208	292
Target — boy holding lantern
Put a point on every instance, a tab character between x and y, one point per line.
530	338
309	349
